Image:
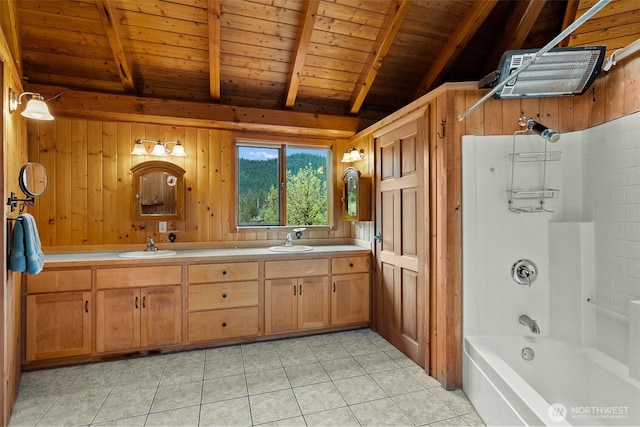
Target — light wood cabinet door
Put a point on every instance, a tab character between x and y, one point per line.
160	316
281	305
350	299
294	304
313	302
117	319
58	325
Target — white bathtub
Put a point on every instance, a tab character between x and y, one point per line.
563	385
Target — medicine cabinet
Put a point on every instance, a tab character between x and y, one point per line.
356	199
158	191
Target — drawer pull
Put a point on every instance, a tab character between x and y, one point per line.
224	295
224	272
224	324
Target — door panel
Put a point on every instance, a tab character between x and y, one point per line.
401	258
313	302
118	319
281	305
161	316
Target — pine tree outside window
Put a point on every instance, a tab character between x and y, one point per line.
282	185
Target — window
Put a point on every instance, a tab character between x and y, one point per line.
265	198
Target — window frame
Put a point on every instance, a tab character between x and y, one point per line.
282	144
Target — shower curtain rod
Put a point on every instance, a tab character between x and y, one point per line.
588	14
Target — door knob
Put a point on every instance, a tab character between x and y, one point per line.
378	237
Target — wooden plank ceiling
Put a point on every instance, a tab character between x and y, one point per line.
340	57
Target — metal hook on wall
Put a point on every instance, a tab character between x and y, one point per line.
442	122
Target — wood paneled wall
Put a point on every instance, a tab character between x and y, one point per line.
14	155
90	193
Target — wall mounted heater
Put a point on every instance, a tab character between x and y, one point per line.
559	72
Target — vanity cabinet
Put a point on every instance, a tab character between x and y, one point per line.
138	307
350	290
58	314
300	301
223	301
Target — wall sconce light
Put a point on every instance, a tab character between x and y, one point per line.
353	154
36	106
160	149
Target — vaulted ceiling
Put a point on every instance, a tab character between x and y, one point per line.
343	57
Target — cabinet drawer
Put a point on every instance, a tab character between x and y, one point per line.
138	276
59	280
226	272
348	265
221	324
209	296
296	268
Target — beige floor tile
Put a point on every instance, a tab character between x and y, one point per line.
455	400
311	373
473	419
333	417
318	397
453	422
359	389
188	416
381	412
234	412
185	373
343	368
124	422
275	406
177	396
224	388
266	381
297	356
376	362
397	381
422	407
330	351
322	339
125	403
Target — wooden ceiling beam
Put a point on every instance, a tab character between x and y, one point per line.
456	43
114	32
395	16
130	108
569	16
515	33
310	9
213	19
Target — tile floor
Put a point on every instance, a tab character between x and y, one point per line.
341	379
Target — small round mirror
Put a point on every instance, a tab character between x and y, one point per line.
33	179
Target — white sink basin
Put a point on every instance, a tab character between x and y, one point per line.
290	249
147	254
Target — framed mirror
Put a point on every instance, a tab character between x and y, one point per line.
33	179
158	191
356	198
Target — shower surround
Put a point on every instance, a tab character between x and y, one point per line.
588	256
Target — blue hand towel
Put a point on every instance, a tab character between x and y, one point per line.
17	258
26	252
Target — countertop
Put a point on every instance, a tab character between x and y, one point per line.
189	255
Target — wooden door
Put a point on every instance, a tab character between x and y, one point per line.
161	316
281	305
313	302
118	319
401	227
350	299
58	325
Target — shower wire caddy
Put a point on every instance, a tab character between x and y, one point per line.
537	193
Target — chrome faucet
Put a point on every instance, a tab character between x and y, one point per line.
288	241
530	323
151	245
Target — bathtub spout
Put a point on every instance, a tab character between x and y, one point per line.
530	323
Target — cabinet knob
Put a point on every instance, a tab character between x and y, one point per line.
224	295
351	264
224	324
224	272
